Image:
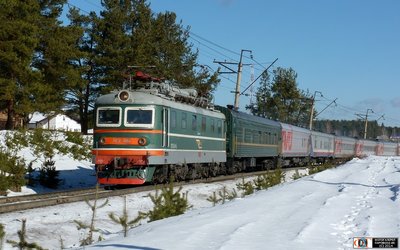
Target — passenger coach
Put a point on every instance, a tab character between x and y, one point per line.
252	141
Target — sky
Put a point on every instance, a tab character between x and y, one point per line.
344	49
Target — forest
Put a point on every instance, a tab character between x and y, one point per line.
355	128
55	64
47	65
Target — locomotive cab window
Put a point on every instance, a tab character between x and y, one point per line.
139	117
108	117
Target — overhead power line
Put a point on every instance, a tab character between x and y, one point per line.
216	51
259	76
70	4
217	45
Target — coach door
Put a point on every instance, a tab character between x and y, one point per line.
165	128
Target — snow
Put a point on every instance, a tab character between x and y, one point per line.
54	122
37	117
322	211
73	173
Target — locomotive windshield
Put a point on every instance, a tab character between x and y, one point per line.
139	117
108	117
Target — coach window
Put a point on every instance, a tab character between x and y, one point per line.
184	122
247	136
255	137
194	122
173	119
109	117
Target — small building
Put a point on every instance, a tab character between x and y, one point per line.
53	122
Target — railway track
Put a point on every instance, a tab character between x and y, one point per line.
24	202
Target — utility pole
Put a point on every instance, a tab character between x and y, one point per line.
239	74
312	108
383	130
366	122
251	80
239	78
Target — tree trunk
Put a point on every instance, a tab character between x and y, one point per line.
10	124
82	115
85	119
84	124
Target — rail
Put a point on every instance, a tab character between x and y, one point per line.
24	202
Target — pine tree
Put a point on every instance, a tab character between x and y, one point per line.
4	183
269	179
214	199
91	227
18	39
23	244
296	175
2	235
123	220
35	51
13	167
167	204
263	94
247	187
82	93
129	34
280	99
55	52
48	175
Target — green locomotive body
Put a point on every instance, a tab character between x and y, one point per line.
146	135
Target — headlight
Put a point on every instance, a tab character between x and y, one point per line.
142	141
102	140
123	95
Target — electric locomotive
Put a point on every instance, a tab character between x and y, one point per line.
151	131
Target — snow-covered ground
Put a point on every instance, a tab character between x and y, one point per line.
72	173
322	211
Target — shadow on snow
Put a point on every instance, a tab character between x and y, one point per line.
127	246
80	177
394	188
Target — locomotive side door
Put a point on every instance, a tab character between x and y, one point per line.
165	127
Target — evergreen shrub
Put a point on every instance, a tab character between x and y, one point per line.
167	204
